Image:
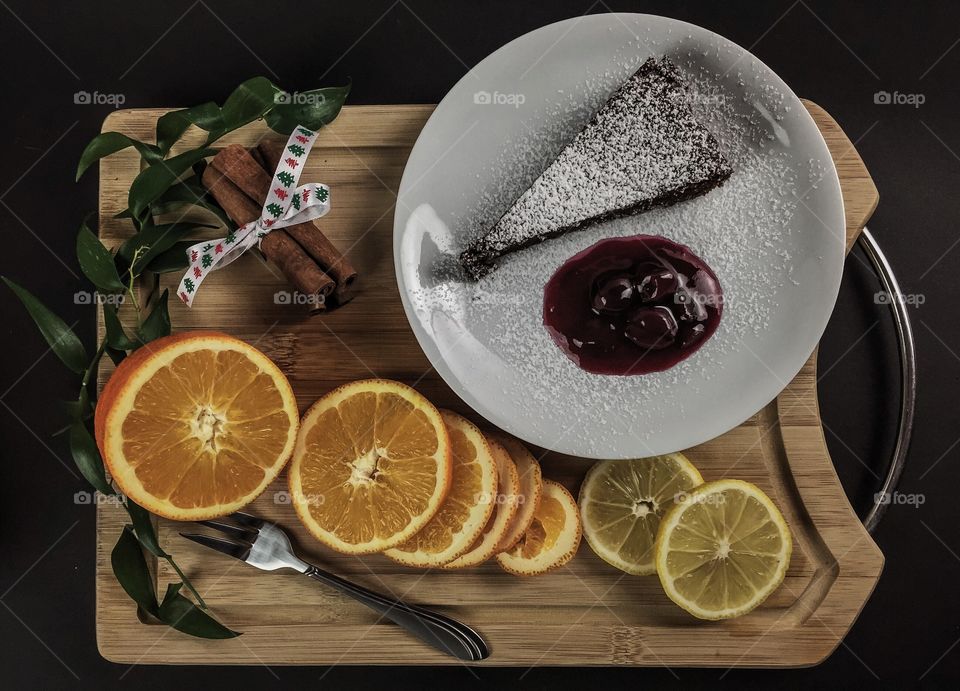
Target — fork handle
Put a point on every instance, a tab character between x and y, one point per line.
443	633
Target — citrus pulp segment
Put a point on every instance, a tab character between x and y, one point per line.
622	502
196	425
531	485
552	538
466	508
371	466
507	501
722	550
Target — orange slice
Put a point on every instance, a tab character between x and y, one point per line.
507	502
531	485
196	425
465	511
371	466
552	538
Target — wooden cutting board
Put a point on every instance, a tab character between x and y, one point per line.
584	614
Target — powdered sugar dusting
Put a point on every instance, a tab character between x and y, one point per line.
643	148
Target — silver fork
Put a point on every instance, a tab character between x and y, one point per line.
266	546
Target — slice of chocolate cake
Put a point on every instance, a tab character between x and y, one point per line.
642	149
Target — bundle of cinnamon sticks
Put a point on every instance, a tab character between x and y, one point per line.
240	180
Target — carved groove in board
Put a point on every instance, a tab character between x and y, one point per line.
804	532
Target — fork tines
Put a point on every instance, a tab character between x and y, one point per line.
248	535
244	534
233	549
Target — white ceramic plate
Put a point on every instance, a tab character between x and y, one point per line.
774	235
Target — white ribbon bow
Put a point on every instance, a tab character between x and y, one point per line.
286	205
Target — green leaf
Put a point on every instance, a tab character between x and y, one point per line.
79	409
189	191
117	356
173	259
157	323
143	527
178	612
96	262
155	239
58	335
130	568
88	383
109	143
248	102
152	182
115	336
87	457
170	127
313	109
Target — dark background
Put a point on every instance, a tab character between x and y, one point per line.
178	54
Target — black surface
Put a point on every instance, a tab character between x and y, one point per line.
178	53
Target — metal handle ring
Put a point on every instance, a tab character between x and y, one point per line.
908	377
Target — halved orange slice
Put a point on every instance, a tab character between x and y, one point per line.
531	486
371	466
467	507
196	425
552	538
507	502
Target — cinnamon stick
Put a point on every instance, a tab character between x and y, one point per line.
311	237
258	157
243	171
298	267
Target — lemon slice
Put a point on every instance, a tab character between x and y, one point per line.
552	538
622	502
722	550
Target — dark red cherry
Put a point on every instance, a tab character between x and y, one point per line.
655	286
689	305
613	294
608	325
705	284
654	328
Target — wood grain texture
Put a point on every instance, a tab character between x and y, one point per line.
584	614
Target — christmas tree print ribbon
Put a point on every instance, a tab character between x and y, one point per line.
286	205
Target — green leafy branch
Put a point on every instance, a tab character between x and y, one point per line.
165	184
